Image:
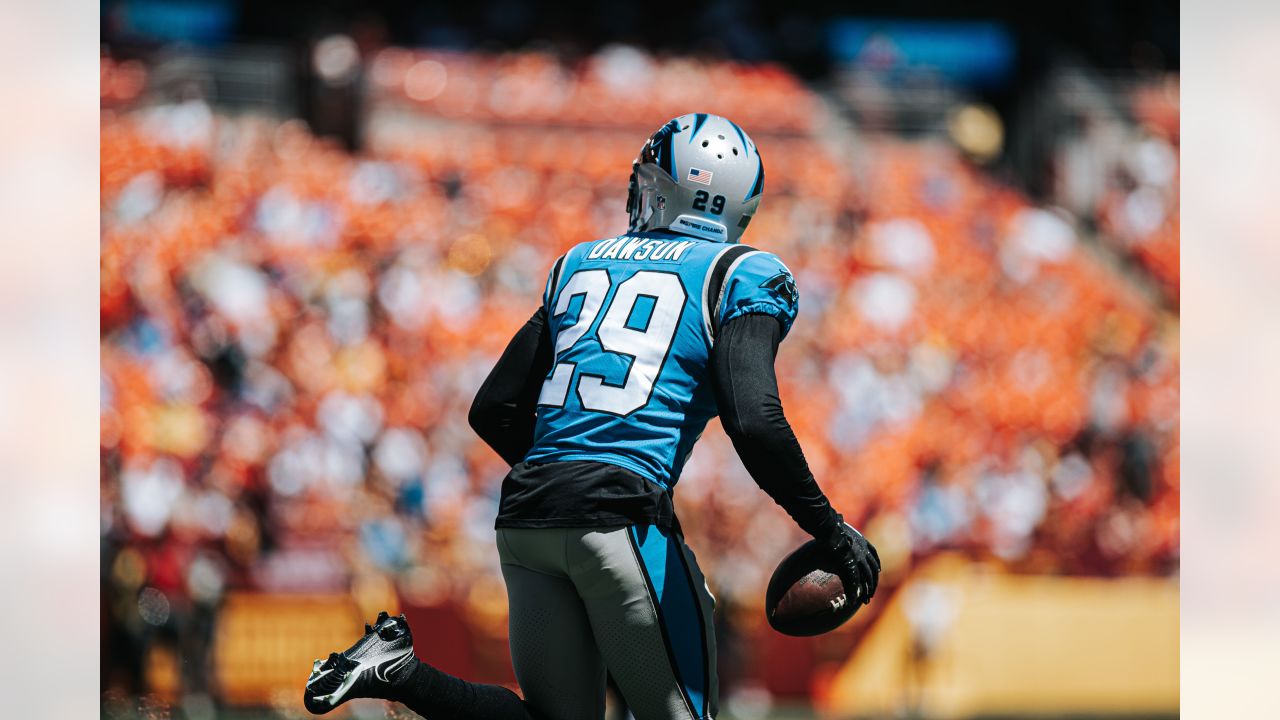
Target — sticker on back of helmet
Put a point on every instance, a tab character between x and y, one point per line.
700	227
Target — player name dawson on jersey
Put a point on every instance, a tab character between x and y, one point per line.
638	248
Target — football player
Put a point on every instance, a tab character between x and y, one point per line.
596	404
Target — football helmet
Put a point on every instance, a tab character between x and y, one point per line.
700	175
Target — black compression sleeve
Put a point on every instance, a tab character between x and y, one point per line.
504	411
440	696
751	412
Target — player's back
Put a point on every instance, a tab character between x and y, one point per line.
632	319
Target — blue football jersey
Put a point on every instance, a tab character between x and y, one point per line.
633	321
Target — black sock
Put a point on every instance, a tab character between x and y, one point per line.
439	696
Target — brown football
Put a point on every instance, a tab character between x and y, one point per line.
805	596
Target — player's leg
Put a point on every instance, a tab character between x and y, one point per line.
706	612
553	652
553	649
382	665
651	614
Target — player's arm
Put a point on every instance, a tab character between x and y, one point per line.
752	415
505	409
760	304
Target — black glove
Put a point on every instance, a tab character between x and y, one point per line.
859	562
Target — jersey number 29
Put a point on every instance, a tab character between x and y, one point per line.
646	347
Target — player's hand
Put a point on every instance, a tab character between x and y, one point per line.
858	559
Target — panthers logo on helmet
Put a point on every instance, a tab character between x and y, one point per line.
783	286
658	149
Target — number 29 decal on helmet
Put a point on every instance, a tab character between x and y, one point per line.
698	175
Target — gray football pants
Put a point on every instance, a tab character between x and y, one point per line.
630	600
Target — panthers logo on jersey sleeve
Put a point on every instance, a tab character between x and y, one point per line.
784	286
761	284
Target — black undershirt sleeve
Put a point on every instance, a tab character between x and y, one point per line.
505	409
751	412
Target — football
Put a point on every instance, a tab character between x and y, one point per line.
805	596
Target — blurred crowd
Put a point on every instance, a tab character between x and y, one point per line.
1117	165
1140	211
292	334
619	86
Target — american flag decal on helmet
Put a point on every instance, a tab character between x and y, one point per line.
702	177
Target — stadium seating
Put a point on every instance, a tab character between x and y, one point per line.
292	334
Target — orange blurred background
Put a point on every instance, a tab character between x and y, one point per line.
292	331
